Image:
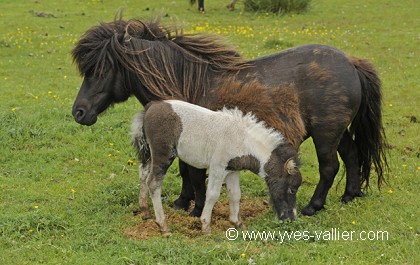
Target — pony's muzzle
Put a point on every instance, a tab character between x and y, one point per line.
80	116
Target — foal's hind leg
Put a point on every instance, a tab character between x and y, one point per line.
348	153
154	183
144	207
328	168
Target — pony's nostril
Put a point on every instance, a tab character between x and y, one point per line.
79	114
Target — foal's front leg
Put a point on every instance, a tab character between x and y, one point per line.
212	195
234	193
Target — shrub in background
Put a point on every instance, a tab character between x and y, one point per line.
277	6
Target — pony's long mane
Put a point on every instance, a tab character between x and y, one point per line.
168	62
277	106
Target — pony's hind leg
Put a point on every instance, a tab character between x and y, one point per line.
328	168
193	188
198	181
234	193
348	153
187	190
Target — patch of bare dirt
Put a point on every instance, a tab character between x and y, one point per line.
180	223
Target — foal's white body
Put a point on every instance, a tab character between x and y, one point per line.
210	140
215	137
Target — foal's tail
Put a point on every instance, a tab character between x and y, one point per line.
138	138
366	127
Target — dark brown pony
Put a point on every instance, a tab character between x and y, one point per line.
230	6
339	95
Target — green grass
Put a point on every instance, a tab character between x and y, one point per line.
67	191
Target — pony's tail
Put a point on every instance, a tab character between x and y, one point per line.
138	139
366	127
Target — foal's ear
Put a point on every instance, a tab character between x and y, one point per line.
290	166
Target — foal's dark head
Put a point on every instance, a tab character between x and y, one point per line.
283	180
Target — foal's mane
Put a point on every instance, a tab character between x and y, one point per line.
169	63
277	106
259	128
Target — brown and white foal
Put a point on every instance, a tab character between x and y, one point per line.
225	142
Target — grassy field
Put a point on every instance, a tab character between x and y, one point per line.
67	192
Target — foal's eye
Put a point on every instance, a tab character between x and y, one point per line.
291	191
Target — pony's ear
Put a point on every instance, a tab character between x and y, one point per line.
290	166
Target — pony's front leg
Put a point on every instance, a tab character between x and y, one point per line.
328	168
143	205
234	193
212	195
154	183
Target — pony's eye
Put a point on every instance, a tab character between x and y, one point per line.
292	191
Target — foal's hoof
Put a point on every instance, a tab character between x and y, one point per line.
136	212
145	214
196	212
239	225
206	230
349	197
181	204
166	233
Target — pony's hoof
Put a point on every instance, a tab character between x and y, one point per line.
349	197
181	204
309	210
196	212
